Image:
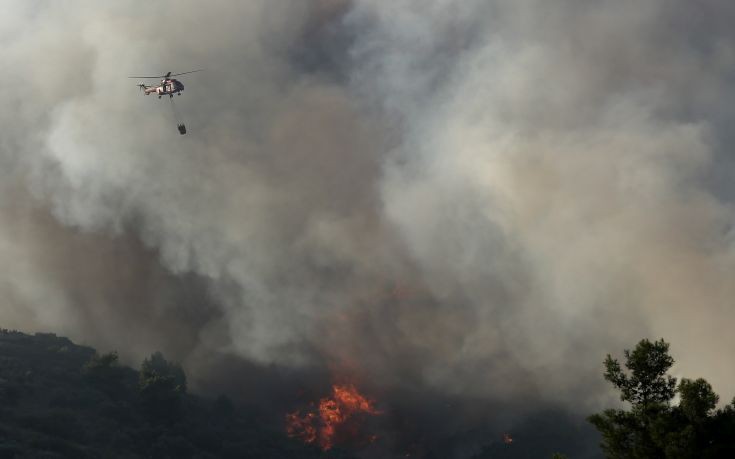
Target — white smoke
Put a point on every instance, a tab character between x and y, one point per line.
542	176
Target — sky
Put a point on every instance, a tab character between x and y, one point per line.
481	198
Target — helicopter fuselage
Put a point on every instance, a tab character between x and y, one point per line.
168	86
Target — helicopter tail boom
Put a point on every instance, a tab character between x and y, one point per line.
146	89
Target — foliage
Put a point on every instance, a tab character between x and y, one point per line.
105	372
647	383
58	400
697	400
161	385
157	366
653	427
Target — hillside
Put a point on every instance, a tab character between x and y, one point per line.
60	400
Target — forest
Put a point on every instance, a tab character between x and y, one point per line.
62	400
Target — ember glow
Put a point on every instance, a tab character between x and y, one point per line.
336	418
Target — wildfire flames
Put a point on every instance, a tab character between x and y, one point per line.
336	417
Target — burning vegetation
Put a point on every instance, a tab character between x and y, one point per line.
336	419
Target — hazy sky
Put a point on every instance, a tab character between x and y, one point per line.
482	196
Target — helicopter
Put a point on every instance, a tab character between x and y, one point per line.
169	86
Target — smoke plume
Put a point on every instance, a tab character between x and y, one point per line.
479	199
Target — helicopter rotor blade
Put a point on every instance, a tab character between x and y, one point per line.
167	75
177	74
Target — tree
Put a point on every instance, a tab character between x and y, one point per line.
161	385
697	399
100	365
157	365
104	372
647	383
653	427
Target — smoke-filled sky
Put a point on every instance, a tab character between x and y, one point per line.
480	197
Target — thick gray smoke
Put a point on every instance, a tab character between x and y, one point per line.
480	197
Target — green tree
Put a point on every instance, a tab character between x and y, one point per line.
161	385
100	364
653	428
698	400
647	382
157	365
645	385
105	372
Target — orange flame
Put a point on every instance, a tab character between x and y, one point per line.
333	413
301	427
